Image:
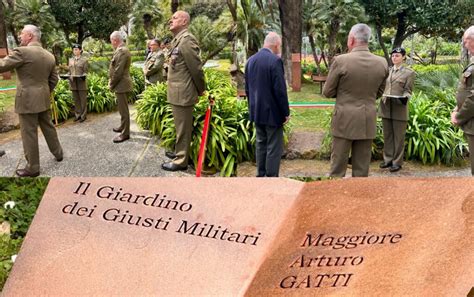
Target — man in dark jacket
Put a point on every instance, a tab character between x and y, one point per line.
268	104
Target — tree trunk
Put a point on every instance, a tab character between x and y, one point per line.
334	29
3	29
378	28
401	30
11	26
315	56
174	6
291	16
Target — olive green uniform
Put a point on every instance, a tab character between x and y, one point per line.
153	69
121	84
185	83
37	77
356	80
78	85
394	113
465	108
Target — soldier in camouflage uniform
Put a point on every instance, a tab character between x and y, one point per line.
463	113
185	85
153	69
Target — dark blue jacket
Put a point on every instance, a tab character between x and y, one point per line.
266	89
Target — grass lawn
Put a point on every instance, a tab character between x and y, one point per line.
308	119
7	98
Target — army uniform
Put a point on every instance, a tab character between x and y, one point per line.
121	84
78	85
185	84
37	77
465	107
153	68
393	110
356	80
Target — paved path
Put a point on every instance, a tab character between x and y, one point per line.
89	151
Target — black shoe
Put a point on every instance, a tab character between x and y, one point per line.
170	155
395	168
82	119
121	138
2	152
76	119
117	130
59	159
385	165
26	173
170	166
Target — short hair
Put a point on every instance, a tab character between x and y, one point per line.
272	38
117	35
361	32
157	41
469	32
35	31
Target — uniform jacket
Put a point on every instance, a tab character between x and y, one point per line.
185	75
119	71
399	83
356	80
37	77
153	69
266	89
465	100
78	67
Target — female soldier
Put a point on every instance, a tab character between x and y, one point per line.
77	81
394	110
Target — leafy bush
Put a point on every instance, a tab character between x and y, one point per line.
26	193
433	77
231	137
138	80
99	65
99	97
63	102
431	138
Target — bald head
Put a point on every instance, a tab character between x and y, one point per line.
179	21
273	42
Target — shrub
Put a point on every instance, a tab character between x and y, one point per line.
138	80
231	137
431	138
63	102
26	193
99	97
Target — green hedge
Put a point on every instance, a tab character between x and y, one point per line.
26	193
99	97
231	137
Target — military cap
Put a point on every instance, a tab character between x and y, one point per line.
399	50
75	45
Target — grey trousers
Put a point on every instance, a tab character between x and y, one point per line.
361	154
183	121
122	104
29	123
269	148
80	103
394	141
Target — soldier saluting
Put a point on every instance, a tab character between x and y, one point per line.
394	110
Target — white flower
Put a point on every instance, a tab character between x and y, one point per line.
9	204
13	258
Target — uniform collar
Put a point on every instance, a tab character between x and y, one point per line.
181	33
34	43
360	48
